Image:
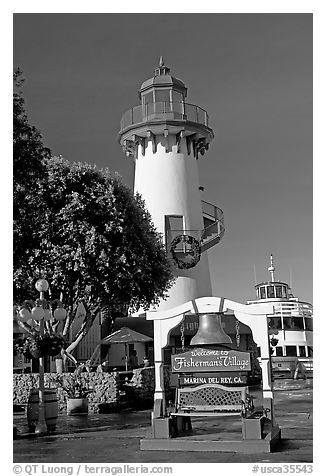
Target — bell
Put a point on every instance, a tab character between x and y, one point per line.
210	331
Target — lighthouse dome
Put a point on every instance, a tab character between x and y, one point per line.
163	79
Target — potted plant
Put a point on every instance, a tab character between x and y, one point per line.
76	390
51	344
30	347
36	346
21	347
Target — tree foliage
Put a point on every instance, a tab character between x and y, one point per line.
29	170
83	230
96	240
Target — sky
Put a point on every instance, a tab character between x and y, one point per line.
252	73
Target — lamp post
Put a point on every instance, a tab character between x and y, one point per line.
42	286
40	313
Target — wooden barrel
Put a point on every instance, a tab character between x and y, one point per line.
50	408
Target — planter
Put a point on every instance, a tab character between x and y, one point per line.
252	427
50	409
161	427
77	406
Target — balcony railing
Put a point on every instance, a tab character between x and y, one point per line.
158	111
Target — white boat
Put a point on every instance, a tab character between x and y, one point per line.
290	326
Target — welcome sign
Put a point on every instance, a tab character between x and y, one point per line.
220	378
210	360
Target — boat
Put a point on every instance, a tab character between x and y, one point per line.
290	326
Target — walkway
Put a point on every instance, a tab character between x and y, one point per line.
115	438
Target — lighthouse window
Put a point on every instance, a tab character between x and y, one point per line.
270	292
173	227
148	98
291	350
176	97
162	96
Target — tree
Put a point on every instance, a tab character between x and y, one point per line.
29	170
82	230
96	245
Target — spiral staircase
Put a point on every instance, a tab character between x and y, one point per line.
209	236
213	226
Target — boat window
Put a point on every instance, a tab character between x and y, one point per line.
270	292
302	351
310	351
308	323
263	292
279	293
274	323
279	351
291	350
284	292
293	323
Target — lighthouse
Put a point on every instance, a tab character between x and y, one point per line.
166	137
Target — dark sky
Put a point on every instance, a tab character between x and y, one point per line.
253	75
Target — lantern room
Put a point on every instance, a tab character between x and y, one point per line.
162	88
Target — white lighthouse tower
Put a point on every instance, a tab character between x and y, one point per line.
166	136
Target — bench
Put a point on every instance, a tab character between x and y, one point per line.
211	400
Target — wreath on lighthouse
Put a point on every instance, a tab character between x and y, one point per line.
190	253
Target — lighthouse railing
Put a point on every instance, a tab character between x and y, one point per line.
159	111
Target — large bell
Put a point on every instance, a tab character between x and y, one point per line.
210	331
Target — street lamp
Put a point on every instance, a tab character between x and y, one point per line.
38	314
41	313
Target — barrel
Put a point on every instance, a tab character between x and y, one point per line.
50	409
